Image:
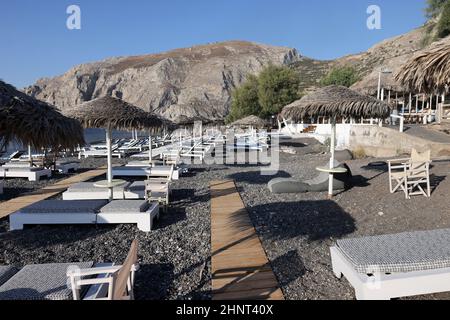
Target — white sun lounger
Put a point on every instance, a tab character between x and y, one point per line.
59	212
65	167
32	174
145	171
395	266
67	281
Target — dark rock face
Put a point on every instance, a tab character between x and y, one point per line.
188	83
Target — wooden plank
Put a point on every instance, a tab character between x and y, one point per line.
240	267
13	205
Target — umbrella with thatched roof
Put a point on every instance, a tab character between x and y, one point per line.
250	121
429	70
336	102
34	122
112	113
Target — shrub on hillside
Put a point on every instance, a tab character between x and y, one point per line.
266	94
341	76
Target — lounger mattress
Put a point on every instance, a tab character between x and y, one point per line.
40	282
404	252
60	206
123	206
6	272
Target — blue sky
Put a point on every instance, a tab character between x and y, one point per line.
36	42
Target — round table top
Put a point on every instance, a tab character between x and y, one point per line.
107	184
329	170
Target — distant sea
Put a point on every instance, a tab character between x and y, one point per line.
90	136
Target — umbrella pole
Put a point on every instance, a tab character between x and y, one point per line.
30	158
332	149
109	150
150	150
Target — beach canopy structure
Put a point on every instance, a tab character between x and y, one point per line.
335	102
35	123
250	121
429	70
111	114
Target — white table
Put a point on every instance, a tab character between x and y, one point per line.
105	184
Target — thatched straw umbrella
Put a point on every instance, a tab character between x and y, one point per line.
250	121
34	122
111	113
429	70
336	102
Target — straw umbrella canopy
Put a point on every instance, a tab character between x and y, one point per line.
336	102
250	121
429	70
35	122
111	113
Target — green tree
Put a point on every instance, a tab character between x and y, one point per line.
266	94
277	87
341	76
244	100
434	8
443	27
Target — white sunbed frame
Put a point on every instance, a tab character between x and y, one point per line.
64	168
144	220
30	175
141	172
390	286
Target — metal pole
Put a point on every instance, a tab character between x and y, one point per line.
109	150
332	148
379	85
30	157
150	148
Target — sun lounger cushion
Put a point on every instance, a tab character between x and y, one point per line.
132	206
341	181
21	169
136	186
284	185
6	272
60	206
40	282
405	252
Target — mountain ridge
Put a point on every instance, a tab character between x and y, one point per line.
196	82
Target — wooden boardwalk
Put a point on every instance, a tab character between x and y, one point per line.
240	268
13	205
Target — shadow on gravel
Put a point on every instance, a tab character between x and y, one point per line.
315	220
435	181
255	177
154	281
294	144
289	267
188	196
41	237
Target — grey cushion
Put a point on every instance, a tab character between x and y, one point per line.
126	206
40	282
60	206
404	252
6	272
22	169
136	186
341	181
343	155
283	185
123	169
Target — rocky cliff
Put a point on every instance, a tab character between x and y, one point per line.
182	85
